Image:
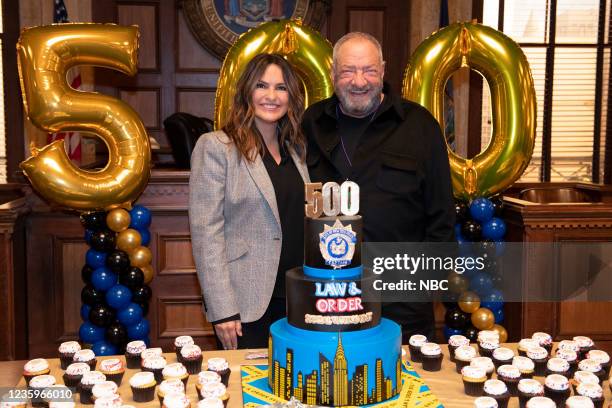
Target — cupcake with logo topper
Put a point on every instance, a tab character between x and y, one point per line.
74	372
215	390
540	402
558	365
37	385
464	356
578	401
539	356
473	380
211	402
556	387
497	389
484	362
544	340
526	344
176	371
143	386
155	365
502	356
455	341
191	356
585	343
85	388
571	357
602	358
33	368
133	351
581	377
415	342
179	343
206	377
511	376
592	391
113	369
529	388
594	367
66	352
431	356
176	400
170	386
525	366
85	356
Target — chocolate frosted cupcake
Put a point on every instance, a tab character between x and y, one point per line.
143	386
87	383
592	391
206	377
544	340
220	366
558	365
38	384
585	343
170	386
191	356
539	356
571	357
556	387
578	401
85	356
527	389
179	342
133	350
215	390
113	369
594	367
431	356
104	389
484	362
176	371
66	352
33	368
473	380
526	344
176	400
525	366
415	342
498	390
211	402
511	376
501	356
454	341
583	377
74	373
154	365
464	356
540	402
602	358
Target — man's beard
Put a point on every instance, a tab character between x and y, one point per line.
359	108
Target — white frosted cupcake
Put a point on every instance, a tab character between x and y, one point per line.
539	356
85	356
585	343
488	335
170	386
544	340
37	384
109	401
473	380
9	400
602	358
558	365
143	386
454	341
511	376
176	400
585	377
464	356
216	390
578	401
541	402
525	366
33	368
210	403
415	342
570	356
179	343
569	345
594	367
431	356
66	352
502	355
88	381
487	346
104	389
220	366
527	389
592	391
154	365
151	352
484	362
74	372
526	344
556	387
497	389
133	351
176	370
485	402
113	369
191	357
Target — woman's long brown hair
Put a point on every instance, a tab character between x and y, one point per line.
240	125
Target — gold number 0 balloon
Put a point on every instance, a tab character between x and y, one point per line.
513	100
44	55
306	50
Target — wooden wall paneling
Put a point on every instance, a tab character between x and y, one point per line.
190	55
146	16
145	101
197	101
174	254
183	315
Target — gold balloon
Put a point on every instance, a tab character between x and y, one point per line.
503	334
44	55
469	302
304	48
457	283
505	68
483	319
140	257
128	240
118	219
147	270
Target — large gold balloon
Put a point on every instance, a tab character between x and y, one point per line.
128	240
45	54
483	319
304	48
503	334
505	68
457	283
140	257
118	219
469	302
147	270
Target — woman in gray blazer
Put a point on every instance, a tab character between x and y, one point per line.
246	204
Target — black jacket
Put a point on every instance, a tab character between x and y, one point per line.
400	164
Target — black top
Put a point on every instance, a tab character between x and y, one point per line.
350	130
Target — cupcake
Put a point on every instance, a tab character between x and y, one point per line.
487	335
594	367
113	369
109	401
133	350
544	340
154	365
473	380
216	390
191	356
602	358
38	366
415	342
59	396
498	390
206	377
569	345
170	386
143	386
463	356
37	385
485	402
592	391
176	400
525	366
87	383
151	352
454	341
527	389
540	402
501	356
556	387
578	401
9	400
526	344
484	362
175	370
431	355
571	357
585	377
74	373
85	356
62	404
585	343
539	356
211	402
104	389
511	376
558	365
179	342
66	352
487	347
220	366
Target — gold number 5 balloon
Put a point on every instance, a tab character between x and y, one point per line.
504	66
45	54
306	50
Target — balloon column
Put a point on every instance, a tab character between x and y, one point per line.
116	274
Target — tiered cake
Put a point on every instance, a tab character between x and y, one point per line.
333	348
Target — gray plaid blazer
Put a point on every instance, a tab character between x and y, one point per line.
235	228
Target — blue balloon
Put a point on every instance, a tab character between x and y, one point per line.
140	217
499	315
90	333
482	209
500	247
104	348
103	279
448	331
494	229
88	234
145	236
118	296
481	283
95	259
458	232
494	300
130	315
139	331
85	312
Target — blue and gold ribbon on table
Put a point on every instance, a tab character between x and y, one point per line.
415	393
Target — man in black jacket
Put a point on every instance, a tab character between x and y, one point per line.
393	149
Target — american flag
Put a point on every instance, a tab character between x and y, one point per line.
72	140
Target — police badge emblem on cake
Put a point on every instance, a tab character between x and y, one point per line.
337	244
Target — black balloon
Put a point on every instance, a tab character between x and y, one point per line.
456	319
102	315
461	211
116	334
498	205
118	261
94	221
103	240
450	300
498	280
471	230
141	294
471	333
144	306
490	265
487	247
133	278
90	296
86	272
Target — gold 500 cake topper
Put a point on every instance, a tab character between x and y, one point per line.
331	199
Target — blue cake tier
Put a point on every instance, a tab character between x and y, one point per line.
335	369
